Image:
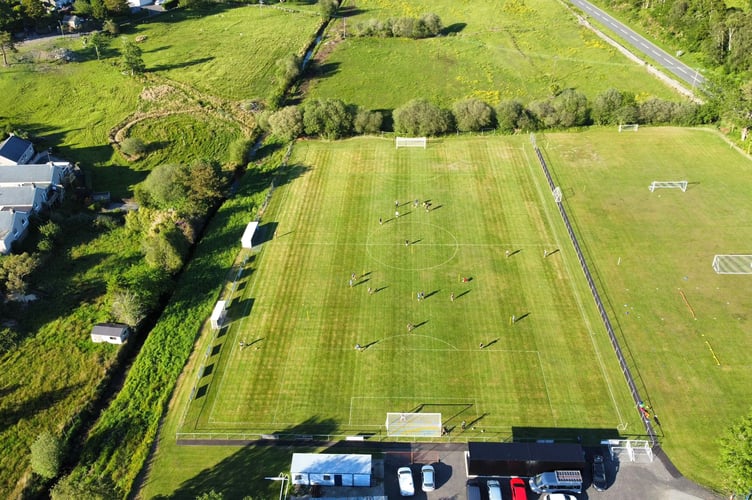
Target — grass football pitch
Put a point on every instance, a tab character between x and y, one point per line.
299	320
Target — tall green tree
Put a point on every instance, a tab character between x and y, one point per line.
131	57
736	456
6	45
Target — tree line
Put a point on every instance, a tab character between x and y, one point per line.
333	119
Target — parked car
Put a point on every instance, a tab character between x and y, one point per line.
518	488
405	476
428	478
599	473
494	489
559	496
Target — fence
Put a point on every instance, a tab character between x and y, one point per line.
596	296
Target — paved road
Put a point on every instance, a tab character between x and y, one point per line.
690	75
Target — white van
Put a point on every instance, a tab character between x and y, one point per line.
494	489
560	481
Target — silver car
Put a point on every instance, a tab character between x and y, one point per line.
428	478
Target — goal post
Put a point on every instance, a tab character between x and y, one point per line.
668	184
413	425
628	127
411	142
733	264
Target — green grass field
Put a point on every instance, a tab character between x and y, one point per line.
666	241
304	320
554	368
497	51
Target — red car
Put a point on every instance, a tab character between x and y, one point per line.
518	488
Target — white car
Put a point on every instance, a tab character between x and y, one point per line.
560	496
405	476
428	476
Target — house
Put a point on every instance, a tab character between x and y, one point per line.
31	198
139	3
327	469
113	333
52	173
15	151
246	241
14	225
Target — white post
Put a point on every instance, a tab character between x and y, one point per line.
283	478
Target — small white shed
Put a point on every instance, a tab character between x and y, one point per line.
247	240
328	469
113	333
218	315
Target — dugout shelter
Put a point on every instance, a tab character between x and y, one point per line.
329	469
522	459
246	241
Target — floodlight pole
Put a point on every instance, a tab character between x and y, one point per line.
284	478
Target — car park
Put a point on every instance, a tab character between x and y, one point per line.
517	485
406	485
599	473
428	478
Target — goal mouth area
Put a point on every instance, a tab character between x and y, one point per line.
413	425
733	264
668	185
410	142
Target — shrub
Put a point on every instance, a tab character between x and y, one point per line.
133	146
367	122
430	25
46	453
330	118
508	115
571	108
328	8
287	123
472	115
421	118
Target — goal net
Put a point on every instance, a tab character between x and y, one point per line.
629	127
732	264
411	142
413	424
635	450
668	184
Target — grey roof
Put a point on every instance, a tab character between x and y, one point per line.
19	197
108	329
25	174
13	148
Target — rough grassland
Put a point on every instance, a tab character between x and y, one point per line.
551	369
666	241
56	372
496	51
231	53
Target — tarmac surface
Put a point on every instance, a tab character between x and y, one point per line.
656	480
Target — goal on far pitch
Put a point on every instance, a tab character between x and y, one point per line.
413	424
410	142
732	264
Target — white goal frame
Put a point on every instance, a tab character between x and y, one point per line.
414	425
635	450
624	127
732	264
668	184
411	142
